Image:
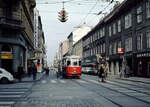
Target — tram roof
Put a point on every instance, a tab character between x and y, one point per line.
72	57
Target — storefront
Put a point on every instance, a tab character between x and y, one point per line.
142	64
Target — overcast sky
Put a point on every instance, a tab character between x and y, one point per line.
56	31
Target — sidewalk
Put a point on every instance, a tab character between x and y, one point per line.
134	79
30	79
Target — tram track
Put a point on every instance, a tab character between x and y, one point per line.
129	88
93	90
137	86
135	81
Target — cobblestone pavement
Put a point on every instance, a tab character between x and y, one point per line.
83	92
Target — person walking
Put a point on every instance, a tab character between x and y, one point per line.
127	71
102	73
29	69
47	71
34	71
20	72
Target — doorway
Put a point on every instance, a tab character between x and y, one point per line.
7	64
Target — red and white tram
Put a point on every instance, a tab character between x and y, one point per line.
71	66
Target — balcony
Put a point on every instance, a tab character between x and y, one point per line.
10	19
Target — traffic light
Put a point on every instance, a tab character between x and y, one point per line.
62	16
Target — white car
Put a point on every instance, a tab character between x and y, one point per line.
5	76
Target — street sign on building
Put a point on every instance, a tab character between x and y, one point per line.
120	51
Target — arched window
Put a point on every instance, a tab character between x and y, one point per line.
6	48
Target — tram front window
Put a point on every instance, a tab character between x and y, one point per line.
75	63
79	63
68	63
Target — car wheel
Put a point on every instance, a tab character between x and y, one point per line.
4	80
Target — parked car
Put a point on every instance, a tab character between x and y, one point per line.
89	70
5	76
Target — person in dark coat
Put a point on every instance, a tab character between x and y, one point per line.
47	71
29	69
20	72
102	73
34	71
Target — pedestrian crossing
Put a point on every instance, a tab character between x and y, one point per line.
9	96
66	81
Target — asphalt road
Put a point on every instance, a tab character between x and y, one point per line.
83	92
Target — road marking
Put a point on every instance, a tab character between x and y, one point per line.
43	81
53	81
62	81
94	81
6	103
11	92
10	96
81	81
5	106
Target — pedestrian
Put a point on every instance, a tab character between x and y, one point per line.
102	73
29	69
127	71
122	73
47	71
57	74
20	72
34	71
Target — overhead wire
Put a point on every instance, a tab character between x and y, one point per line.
88	12
101	12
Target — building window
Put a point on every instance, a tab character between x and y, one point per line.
101	35
110	49
119	44
103	47
103	32
128	44
139	14
110	32
90	39
148	9
148	39
114	28
128	20
119	25
114	48
139	41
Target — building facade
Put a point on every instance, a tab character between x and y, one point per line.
77	48
126	28
39	44
16	33
76	36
